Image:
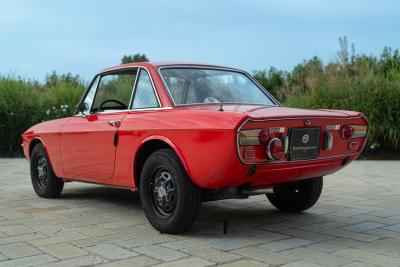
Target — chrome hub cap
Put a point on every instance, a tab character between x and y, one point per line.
41	168
163	193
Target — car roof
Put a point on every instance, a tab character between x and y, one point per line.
163	64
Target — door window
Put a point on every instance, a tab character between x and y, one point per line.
114	91
144	95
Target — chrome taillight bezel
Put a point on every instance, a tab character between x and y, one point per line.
270	144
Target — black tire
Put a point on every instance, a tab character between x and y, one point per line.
297	196
171	202
45	183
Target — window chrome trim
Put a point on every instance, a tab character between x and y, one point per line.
131	67
106	73
255	82
145	109
130	110
95	78
134	90
110	71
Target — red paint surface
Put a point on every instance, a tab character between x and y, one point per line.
204	138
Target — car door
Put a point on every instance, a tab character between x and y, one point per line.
88	140
134	126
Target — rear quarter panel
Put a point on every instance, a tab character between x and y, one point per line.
205	141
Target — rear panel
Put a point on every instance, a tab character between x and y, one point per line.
303	139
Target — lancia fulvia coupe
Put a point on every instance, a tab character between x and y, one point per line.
182	134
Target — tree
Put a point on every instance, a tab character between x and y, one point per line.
134	58
272	80
344	57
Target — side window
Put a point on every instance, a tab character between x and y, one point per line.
91	93
114	91
144	96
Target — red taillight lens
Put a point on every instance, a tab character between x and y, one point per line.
347	131
263	137
275	149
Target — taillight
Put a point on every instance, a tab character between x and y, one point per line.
263	137
275	149
249	137
274	146
353	131
347	131
253	137
359	131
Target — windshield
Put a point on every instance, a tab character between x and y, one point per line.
201	86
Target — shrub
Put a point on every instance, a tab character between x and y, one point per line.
353	82
24	103
363	83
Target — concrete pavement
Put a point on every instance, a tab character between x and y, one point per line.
355	223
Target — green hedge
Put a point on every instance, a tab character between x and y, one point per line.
353	82
24	103
357	82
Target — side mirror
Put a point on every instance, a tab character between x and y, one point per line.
82	107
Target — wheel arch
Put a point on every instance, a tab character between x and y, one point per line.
34	142
148	146
37	140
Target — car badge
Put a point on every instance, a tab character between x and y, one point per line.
277	130
332	127
305	139
307	123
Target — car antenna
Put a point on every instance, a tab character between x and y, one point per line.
220	106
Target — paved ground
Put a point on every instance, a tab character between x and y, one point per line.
355	223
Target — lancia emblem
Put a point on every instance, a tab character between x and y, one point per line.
305	139
307	123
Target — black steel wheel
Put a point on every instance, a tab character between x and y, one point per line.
297	196
163	193
45	183
170	200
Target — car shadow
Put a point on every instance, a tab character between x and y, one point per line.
109	195
241	217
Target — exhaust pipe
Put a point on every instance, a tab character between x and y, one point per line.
236	193
259	191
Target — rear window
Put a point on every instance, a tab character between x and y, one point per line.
202	86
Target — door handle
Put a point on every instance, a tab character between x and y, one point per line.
115	123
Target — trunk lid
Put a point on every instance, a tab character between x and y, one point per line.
273	112
282	112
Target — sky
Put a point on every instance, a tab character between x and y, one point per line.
84	36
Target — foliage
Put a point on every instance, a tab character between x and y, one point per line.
353	82
272	79
24	103
134	58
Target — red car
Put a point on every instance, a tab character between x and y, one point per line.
186	133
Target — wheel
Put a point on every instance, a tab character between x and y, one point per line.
297	196
45	183
171	202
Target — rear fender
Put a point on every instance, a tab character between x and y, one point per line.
173	146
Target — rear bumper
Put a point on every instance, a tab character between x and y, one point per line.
277	173
270	175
